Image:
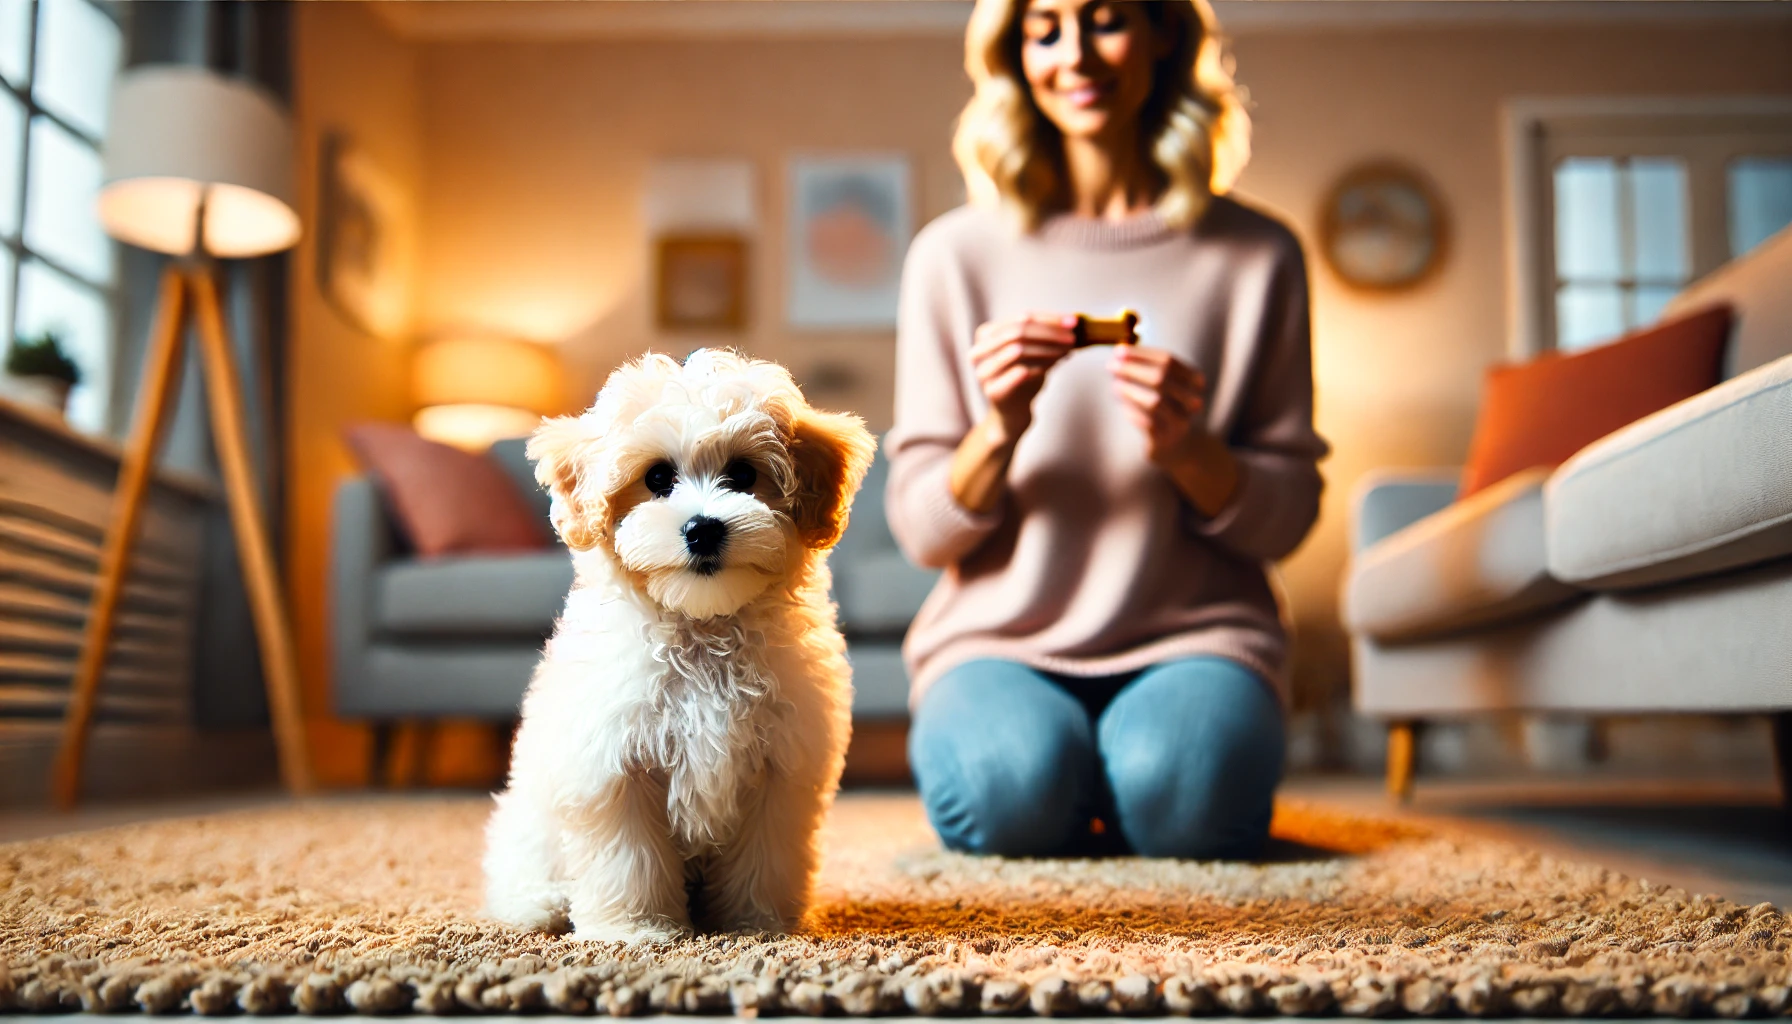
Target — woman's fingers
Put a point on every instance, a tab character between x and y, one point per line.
1043	339
1183	405
1155	367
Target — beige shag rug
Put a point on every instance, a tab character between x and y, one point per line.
373	906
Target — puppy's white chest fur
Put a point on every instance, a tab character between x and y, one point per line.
705	726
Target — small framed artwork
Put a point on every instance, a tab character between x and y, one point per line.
1383	228
364	232
701	282
850	222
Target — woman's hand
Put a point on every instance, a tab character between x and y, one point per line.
1167	400
1010	358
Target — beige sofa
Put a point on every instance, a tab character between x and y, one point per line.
1652	572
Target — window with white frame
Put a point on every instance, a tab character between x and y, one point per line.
57	62
1621	203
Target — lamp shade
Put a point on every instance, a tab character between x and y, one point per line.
475	389
180	134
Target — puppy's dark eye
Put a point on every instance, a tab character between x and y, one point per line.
739	475
660	478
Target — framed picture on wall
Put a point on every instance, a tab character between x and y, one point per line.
850	221
1383	227
701	282
364	230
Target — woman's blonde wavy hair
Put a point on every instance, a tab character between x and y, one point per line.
1195	128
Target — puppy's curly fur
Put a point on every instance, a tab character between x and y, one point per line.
685	730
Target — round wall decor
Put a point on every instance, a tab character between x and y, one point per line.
1382	227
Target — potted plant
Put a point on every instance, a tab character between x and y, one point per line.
39	372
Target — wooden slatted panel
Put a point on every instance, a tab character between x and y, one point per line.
59	577
28	529
17	600
28	700
47	669
81	497
168	651
53	514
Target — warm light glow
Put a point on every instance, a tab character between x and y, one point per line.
473	427
487	370
159	214
182	134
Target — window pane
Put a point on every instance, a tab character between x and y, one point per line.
1760	200
77	315
1658	211
6	264
60	220
1648	303
1586	191
1588	314
77	55
12	156
15	41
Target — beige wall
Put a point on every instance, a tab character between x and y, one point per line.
531	156
538	155
349	75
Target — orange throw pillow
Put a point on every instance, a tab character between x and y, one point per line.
1541	412
446	501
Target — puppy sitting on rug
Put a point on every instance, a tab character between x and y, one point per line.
685	730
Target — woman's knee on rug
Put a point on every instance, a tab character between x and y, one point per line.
1193	752
1003	759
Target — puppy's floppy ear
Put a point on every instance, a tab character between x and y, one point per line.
562	449
831	452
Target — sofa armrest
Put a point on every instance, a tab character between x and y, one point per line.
1390	500
361	542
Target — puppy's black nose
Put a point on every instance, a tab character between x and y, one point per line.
703	536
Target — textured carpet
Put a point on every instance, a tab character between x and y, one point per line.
373	906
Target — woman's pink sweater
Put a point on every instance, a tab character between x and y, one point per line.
1094	562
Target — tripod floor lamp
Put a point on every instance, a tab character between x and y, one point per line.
200	167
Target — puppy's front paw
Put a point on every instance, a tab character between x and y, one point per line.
645	932
536	911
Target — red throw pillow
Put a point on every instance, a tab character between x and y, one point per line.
447	501
1541	412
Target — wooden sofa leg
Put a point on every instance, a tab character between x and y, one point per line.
379	751
408	765
1782	754
1402	759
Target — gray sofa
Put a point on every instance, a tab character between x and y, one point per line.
1652	572
418	639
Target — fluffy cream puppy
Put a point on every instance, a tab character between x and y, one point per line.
684	733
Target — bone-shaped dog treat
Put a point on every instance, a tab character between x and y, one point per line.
1118	330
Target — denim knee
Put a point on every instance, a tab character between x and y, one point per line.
1193	752
1004	760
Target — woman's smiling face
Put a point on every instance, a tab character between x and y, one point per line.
1089	62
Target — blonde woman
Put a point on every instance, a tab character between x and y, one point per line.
1101	665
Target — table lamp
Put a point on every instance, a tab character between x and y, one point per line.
198	166
472	390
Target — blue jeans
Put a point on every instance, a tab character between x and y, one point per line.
1178	760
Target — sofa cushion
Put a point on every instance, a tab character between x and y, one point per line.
1541	412
445	500
1698	488
1477	562
879	591
511	455
473	595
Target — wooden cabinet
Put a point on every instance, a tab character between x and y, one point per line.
55	499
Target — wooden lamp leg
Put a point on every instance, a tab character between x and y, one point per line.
260	571
161	378
1402	759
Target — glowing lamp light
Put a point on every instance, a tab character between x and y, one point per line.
182	138
475	390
